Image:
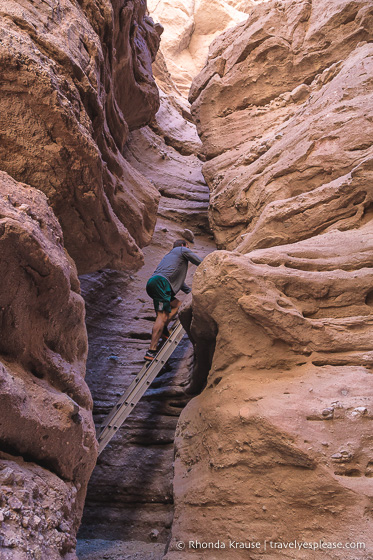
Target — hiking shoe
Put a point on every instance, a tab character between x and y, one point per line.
150	355
165	333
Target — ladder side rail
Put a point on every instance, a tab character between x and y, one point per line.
121	410
144	383
124	396
136	381
126	410
140	389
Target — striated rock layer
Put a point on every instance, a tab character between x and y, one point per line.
47	437
75	78
167	153
278	446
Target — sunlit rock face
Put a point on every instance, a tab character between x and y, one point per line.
190	27
48	445
278	445
76	77
168	152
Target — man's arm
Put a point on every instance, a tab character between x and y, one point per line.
185	288
190	256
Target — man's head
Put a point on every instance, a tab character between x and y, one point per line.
180	243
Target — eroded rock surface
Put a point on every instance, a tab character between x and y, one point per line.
48	445
284	111
75	78
166	152
190	27
278	445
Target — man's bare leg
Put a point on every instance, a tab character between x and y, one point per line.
175	304
160	322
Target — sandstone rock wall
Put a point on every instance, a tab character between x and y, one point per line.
167	153
190	27
48	444
283	109
278	445
75	78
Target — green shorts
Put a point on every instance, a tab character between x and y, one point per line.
159	289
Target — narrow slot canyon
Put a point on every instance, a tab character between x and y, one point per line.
129	505
245	129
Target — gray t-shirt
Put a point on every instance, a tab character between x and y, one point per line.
174	267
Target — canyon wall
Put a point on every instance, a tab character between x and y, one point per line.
167	152
48	444
189	28
76	78
278	446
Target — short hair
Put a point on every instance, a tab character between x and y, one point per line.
179	243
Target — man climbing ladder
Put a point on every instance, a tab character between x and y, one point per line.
166	281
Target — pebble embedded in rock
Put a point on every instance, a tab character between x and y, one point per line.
36	521
113	358
7	476
64	527
342	456
328	413
188	235
154	534
15	503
